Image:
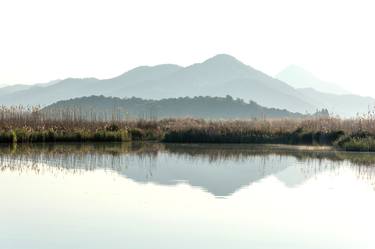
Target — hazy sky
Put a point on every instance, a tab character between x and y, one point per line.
46	40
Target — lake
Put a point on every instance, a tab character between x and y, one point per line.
151	195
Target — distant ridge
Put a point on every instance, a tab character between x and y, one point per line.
5	90
197	107
300	78
345	105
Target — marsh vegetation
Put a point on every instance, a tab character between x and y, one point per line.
29	125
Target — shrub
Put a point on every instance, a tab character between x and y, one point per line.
8	137
137	134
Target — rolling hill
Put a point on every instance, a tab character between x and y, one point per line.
198	107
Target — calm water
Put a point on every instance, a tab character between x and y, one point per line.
185	196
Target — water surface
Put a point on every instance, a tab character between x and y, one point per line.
185	196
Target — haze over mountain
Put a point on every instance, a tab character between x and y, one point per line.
5	90
104	108
324	94
346	105
218	76
298	77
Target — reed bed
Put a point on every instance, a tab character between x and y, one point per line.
31	124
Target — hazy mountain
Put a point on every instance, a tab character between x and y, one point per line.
347	105
301	78
197	107
219	76
6	90
13	88
324	94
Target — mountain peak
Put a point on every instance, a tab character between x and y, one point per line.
223	59
298	74
299	77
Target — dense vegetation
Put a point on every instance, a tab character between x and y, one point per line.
22	125
109	108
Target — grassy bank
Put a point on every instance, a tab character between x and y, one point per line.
188	131
30	126
297	137
350	135
102	133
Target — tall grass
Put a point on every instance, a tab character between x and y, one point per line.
31	124
349	134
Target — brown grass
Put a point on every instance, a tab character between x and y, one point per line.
20	123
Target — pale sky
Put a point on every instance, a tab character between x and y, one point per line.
46	40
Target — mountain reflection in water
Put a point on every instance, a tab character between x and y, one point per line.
218	169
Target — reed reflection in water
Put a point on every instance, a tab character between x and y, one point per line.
218	169
167	196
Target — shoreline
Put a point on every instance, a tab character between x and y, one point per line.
335	140
347	135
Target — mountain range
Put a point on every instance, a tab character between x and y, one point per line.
218	76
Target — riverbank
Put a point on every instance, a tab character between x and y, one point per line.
336	138
349	135
78	135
